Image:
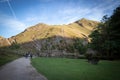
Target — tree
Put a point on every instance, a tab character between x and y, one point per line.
115	31
78	45
106	37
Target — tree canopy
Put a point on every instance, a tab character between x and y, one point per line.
106	37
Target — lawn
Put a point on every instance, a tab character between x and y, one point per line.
76	69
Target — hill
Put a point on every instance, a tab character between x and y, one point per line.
4	42
52	39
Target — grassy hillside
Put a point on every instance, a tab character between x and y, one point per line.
74	69
43	38
54	34
78	29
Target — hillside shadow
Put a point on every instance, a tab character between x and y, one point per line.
55	46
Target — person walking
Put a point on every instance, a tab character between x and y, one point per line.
26	55
31	56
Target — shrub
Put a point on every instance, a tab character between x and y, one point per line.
15	46
78	45
92	58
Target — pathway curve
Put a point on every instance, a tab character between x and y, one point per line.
20	69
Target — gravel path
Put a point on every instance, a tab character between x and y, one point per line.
20	69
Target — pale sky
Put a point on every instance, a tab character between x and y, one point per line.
17	15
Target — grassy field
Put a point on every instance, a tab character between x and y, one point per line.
76	69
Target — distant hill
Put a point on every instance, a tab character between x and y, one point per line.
43	37
4	42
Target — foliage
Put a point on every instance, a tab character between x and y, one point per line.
96	40
78	45
15	46
105	38
70	48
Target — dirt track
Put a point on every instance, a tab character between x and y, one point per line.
20	69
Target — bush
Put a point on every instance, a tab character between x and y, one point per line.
92	58
15	46
70	48
78	45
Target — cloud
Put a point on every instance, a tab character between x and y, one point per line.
68	13
10	7
11	23
15	24
3	0
95	12
12	10
30	19
73	10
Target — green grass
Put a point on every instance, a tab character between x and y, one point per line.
76	69
6	56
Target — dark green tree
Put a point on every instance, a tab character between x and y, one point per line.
106	37
114	28
78	45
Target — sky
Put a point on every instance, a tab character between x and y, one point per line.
17	15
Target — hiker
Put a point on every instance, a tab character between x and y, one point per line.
26	55
31	56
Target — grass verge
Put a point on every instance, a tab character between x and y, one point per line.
76	69
7	56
